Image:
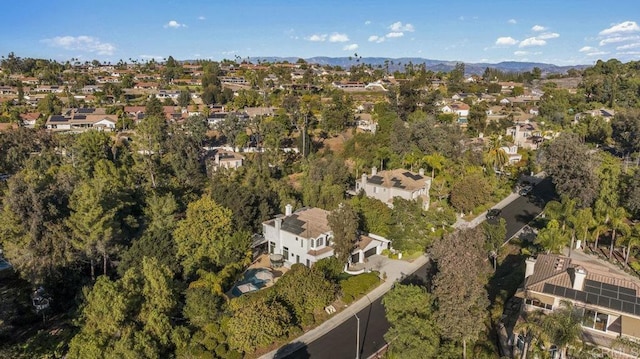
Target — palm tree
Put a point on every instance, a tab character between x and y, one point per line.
562	212
632	241
496	157
602	215
618	224
581	222
552	238
564	326
532	331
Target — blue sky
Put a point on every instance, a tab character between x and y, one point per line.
563	32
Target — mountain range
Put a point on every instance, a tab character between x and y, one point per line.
433	65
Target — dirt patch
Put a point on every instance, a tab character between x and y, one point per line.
336	143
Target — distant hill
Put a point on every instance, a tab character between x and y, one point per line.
433	65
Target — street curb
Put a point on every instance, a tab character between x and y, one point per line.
342	316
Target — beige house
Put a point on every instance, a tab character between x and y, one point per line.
385	185
226	159
525	134
608	301
82	119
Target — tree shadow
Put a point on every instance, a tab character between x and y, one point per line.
295	350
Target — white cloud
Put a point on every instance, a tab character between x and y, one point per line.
635	53
506	40
201	18
394	35
317	37
149	57
623	27
368	22
81	43
512	21
400	27
628	46
230	52
615	39
174	25
521	53
350	47
587	49
597	53
538	28
336	37
548	35
532	41
376	38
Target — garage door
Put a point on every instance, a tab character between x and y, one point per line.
370	252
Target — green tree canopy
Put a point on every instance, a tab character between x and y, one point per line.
206	239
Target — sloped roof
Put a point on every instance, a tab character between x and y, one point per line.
398	178
554	275
305	222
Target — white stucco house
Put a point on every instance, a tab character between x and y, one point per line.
304	236
385	185
512	153
225	159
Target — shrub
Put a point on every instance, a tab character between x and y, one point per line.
330	267
358	285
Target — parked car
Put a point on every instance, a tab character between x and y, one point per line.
493	213
525	191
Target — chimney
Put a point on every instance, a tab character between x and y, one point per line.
578	280
363	181
374	171
278	224
288	209
421	172
530	266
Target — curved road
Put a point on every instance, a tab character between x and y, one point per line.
341	342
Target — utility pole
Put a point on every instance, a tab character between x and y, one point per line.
357	336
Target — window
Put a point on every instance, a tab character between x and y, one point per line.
536	303
595	320
320	242
285	253
312	243
301	243
272	247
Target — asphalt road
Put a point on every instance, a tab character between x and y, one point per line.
340	343
525	208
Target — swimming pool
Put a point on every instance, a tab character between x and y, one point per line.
253	280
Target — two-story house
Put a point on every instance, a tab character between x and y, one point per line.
304	236
525	134
609	302
385	185
225	159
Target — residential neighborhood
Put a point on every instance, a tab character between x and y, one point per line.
279	181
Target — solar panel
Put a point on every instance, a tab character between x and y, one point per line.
592	290
570	293
637	309
375	180
628	307
603	301
615	304
627	291
627	298
611	287
581	296
592	298
609	293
